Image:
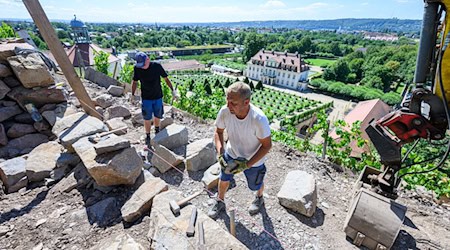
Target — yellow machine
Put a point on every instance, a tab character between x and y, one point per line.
374	218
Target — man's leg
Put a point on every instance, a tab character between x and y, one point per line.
219	204
147	126
147	116
255	180
156	122
260	192
158	109
223	188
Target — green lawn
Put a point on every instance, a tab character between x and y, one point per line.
319	62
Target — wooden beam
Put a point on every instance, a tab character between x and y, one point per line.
50	37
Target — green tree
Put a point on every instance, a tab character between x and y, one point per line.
101	62
252	44
126	73
62	34
259	85
252	87
6	31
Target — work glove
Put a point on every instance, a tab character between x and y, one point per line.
236	166
175	95
222	162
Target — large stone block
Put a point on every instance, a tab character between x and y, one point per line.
83	126
7	49
12	172
115	168
169	232
8	112
164	159
299	193
30	70
42	160
200	155
121	241
211	176
115	90
111	143
99	78
165	121
19	130
5	71
104	101
11	81
140	202
118	111
103	213
173	136
3	137
28	141
117	123
4	89
38	97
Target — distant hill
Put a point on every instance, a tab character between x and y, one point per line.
349	24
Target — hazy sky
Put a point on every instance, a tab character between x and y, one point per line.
215	11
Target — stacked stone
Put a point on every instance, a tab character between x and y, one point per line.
29	102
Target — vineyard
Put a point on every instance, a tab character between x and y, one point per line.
203	96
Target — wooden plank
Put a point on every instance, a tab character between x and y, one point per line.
50	37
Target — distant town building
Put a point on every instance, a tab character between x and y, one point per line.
278	68
82	53
380	36
365	112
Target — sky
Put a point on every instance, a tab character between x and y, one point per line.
175	11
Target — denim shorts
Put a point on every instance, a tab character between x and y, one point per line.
152	108
254	175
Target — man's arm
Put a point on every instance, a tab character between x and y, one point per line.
266	144
168	82
218	140
133	86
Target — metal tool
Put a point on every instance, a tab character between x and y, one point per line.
96	138
175	206
191	228
201	237
232	223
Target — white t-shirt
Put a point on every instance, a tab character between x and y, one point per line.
243	134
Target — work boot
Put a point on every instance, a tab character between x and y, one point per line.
256	205
216	208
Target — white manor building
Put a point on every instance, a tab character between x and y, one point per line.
278	68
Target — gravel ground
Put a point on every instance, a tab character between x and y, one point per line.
36	218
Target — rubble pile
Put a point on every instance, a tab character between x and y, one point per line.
30	102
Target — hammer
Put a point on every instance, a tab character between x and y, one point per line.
175	205
191	228
96	138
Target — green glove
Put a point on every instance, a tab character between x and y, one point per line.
236	166
222	162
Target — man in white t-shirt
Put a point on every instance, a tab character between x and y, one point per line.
249	141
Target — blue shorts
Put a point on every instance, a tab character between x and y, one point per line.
152	108
254	175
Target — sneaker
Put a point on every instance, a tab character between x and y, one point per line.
256	205
216	208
